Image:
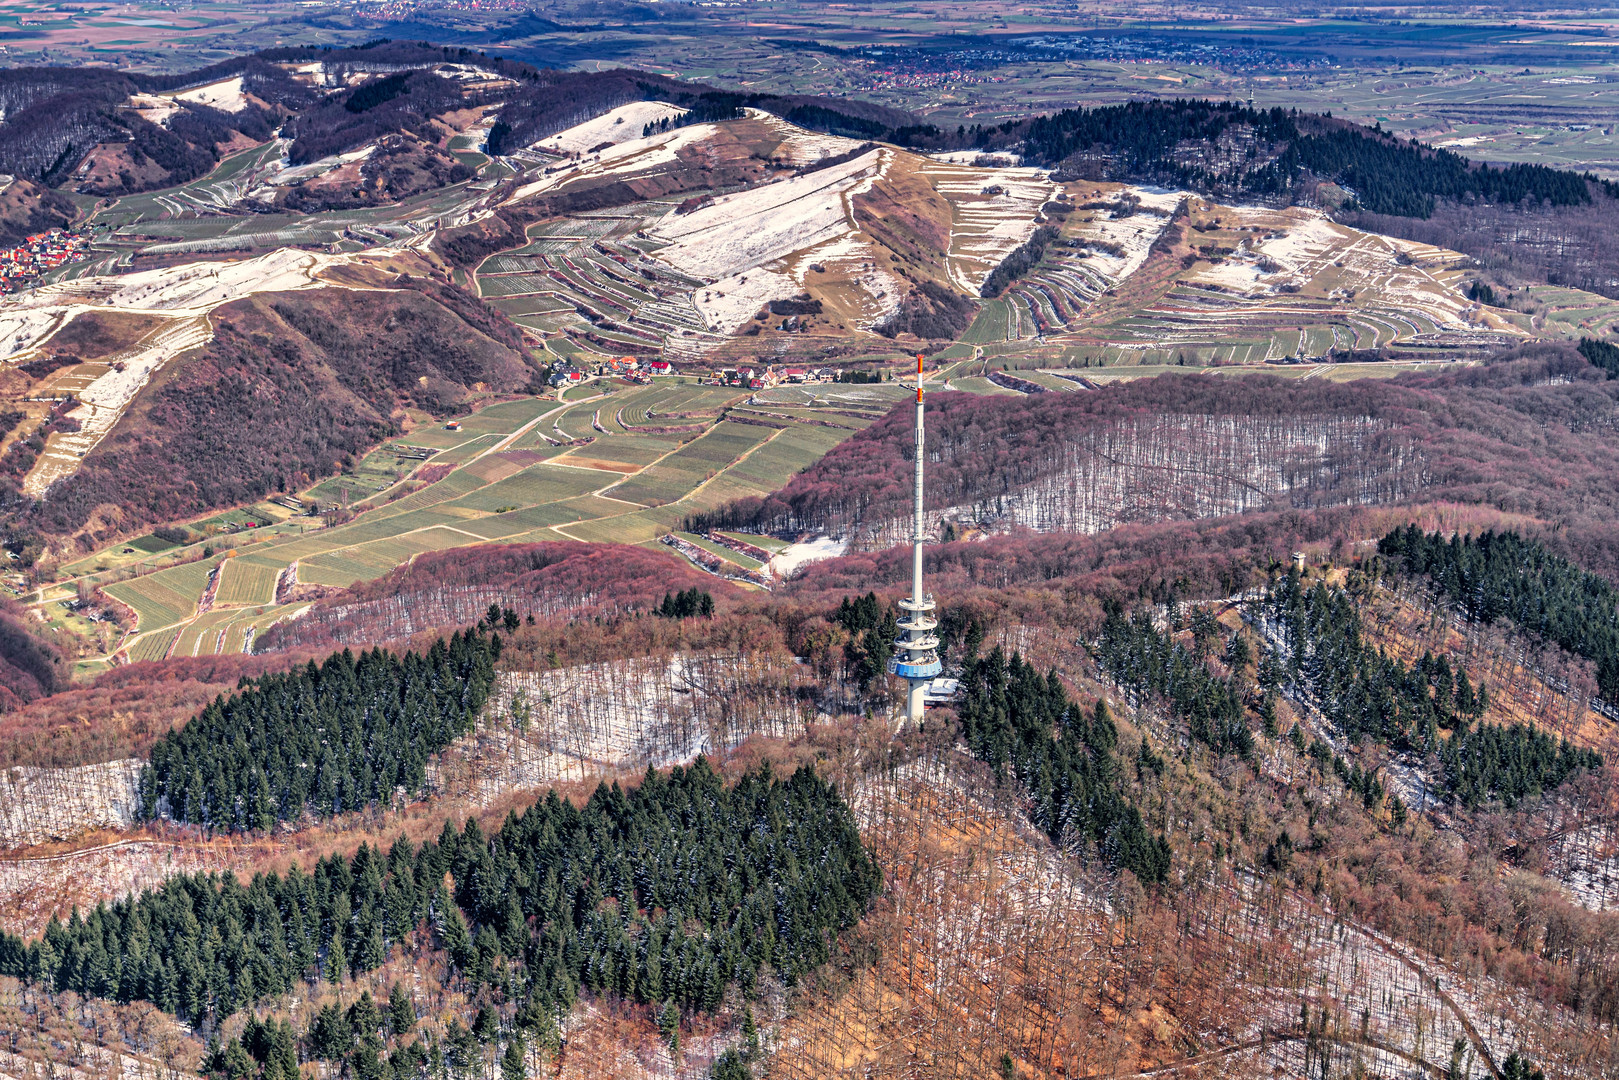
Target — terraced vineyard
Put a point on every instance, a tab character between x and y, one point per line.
594	273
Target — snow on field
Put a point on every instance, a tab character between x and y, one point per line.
993	212
730	302
469	73
154	107
852	259
226	96
191	288
802	147
282	173
1308	244
621	125
788	560
735	233
21	328
104	400
633	156
187	292
1134	234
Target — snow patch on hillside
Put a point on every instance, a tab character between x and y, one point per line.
730	302
1310	241
227	96
153	107
29	318
632	156
104	400
621	125
791	558
1135	234
800	146
993	210
852	258
736	233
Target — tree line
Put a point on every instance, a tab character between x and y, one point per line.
1148	140
1323	658
1506	576
1601	354
872	631
668	893
1023	724
686	604
320	740
1019	261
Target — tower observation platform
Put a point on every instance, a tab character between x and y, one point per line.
916	653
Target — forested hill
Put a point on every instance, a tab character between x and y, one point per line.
291	383
679	890
53	118
1522	435
1226	148
1505	576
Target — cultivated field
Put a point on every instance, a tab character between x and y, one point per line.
610	462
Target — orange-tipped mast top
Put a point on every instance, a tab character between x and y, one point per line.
919	376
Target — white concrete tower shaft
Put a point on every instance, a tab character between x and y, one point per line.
916	658
917	526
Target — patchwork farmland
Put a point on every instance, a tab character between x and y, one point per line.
622	463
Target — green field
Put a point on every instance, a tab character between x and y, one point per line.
166	597
247	580
507	485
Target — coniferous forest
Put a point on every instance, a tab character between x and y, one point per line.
1324	659
671	892
1136	654
1505	576
1390	176
1012	716
320	740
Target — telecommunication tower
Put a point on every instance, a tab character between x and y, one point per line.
916	655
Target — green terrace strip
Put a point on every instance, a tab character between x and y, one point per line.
1323	659
671	892
1504	576
320	740
1013	716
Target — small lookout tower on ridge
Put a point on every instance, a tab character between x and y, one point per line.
916	655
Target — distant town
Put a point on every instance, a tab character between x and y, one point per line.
38	254
642	371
